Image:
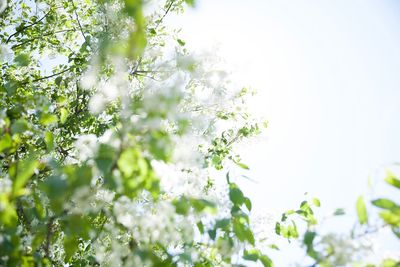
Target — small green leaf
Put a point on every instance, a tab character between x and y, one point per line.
49	140
361	210
63	115
392	180
105	158
22	60
222	224
242	231
384	203
273	246
236	195
316	202
190	2
242	165
19	126
247	202
181	42
8	214
200	226
5	142
212	234
25	169
127	162
389	263
390	218
182	206
48	119
278	228
202	205
58	80
251	255
266	261
339	212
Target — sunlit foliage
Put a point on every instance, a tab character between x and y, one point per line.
110	132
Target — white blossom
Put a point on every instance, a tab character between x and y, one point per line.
86	146
97	103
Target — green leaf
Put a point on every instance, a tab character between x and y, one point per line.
22	60
308	240
222	224
316	202
384	203
273	246
392	180
8	214
71	244
266	261
278	228
127	162
390	218
25	169
202	205
190	2
48	119
251	255
19	126
236	195
5	142
105	158
49	140
390	263
182	206
56	188
247	202
181	42
242	231
361	210
339	212
242	165
212	234
58	80
63	115
200	226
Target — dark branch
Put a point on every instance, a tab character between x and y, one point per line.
135	70
165	14
47	77
27	26
79	23
33	39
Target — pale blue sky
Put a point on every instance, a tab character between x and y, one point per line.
327	73
328	82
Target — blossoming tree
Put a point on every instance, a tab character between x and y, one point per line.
110	132
116	145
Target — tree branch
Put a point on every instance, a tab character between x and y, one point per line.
135	70
47	77
46	34
79	23
27	26
165	14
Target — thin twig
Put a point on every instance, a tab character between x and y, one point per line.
77	19
47	77
30	25
146	76
46	34
135	71
165	14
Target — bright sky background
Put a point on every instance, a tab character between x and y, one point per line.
327	73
